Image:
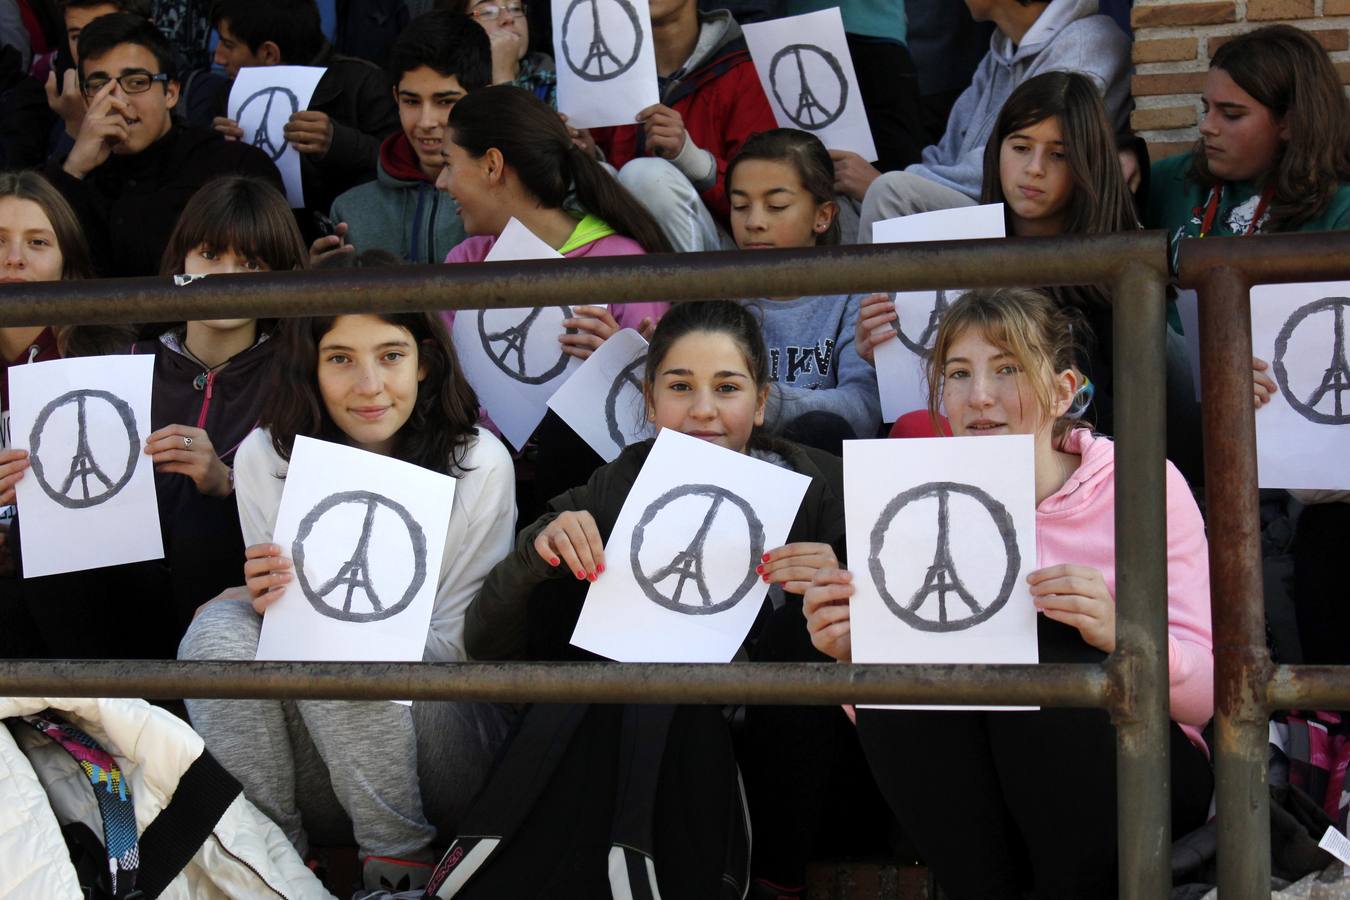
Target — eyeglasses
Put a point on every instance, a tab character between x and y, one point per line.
132	82
493	11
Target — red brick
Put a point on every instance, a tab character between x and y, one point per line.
1331	39
1164	149
1343	69
1157	14
1163	118
1167	83
1268	10
1336	7
1170	50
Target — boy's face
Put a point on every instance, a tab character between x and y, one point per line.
148	118
233	54
425	98
79	16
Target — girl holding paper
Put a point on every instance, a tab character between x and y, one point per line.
390	385
973	788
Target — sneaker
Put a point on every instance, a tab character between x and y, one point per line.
390	874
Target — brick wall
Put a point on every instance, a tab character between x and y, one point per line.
1173	41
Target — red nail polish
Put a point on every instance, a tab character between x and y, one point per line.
553	560
581	575
765	557
591	576
759	569
600	568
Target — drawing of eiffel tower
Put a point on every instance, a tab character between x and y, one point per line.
934	319
355	572
82	464
513	341
807	104
599	50
262	138
1337	377
688	563
942	578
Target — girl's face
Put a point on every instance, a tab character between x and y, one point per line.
1033	167
368	377
28	250
771	208
509	17
204	259
468	181
985	390
703	388
1242	138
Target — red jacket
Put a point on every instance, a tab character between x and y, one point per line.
722	104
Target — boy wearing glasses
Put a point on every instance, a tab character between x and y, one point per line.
508	29
132	168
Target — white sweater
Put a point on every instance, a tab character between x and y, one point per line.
481	531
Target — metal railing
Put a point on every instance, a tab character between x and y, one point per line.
1132	684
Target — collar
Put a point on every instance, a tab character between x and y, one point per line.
590	229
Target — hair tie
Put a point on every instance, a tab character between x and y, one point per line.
1082	399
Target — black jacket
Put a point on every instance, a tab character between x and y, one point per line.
130	204
497	624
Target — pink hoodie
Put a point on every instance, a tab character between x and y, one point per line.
1077	525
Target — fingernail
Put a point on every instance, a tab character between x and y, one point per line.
765	577
581	575
591	576
766	557
553	560
759	569
600	568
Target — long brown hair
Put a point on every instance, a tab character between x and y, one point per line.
535	143
1287	71
26	185
442	424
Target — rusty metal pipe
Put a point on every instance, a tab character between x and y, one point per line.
1267	258
1143	772
1309	687
1242	666
519	682
685	276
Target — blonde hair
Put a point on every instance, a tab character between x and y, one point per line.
1044	337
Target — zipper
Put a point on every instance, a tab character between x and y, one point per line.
431	227
243	862
206	400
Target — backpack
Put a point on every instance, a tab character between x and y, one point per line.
592	801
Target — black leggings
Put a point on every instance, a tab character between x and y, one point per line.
1001	801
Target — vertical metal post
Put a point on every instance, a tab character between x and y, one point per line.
1139	664
1242	667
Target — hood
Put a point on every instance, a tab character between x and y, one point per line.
717	30
398	163
1094	473
1058	15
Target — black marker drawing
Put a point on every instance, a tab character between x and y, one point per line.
688	564
599	53
83	463
808	111
923	347
354	575
630	376
1336	377
942	578
510	342
268	136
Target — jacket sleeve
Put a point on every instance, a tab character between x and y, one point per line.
1190	640
89	208
950	162
1095	47
355	149
854	397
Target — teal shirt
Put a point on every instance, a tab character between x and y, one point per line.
869	18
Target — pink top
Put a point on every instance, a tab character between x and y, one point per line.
1077	525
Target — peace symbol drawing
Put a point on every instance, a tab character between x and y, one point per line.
278	105
974	603
922	346
601	62
624	398
666	583
354	593
117	448
522	346
1324	403
818	81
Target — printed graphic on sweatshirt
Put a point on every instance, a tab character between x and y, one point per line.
806	366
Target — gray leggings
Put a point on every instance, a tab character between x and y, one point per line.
332	770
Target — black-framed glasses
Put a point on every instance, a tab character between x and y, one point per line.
132	82
492	11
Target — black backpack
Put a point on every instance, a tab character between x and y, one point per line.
590	801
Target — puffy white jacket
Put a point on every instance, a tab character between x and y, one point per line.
246	856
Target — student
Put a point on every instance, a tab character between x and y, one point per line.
351	112
1033	36
508	30
437	59
209	385
67	102
132	169
398	773
983	793
674	159
781	187
1051	160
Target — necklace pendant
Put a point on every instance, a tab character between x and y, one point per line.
200	382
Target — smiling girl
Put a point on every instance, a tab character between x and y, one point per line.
977	793
389	385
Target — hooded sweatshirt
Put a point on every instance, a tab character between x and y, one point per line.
719	96
1068	37
1077	525
400	211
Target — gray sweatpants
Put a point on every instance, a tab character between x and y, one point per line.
332	770
902	194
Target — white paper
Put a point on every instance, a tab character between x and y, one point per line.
901	368
1303	433
806	69
366	534
603	401
512	357
1336	844
88	499
697	509
262	100
605	59
895	494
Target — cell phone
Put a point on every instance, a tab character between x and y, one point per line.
327	227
